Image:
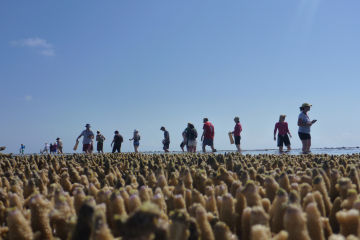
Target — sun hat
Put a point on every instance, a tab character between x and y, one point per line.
306	105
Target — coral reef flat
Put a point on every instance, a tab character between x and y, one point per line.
180	196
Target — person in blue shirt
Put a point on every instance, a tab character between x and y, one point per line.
22	149
304	124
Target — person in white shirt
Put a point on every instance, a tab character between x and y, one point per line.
88	138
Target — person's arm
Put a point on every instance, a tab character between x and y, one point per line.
81	134
288	131
131	139
275	130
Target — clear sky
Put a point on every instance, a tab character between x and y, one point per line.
125	64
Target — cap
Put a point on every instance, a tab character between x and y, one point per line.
87	125
162	128
306	105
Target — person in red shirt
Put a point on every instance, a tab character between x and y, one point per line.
236	133
208	135
283	137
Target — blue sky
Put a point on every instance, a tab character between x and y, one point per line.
121	65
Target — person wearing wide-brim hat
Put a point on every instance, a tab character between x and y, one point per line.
304	124
283	134
88	138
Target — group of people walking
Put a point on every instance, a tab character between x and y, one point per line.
53	148
88	137
281	134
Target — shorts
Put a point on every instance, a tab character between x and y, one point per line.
208	142
237	140
99	146
304	136
166	145
88	147
283	140
192	143
136	143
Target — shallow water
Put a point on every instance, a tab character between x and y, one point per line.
330	151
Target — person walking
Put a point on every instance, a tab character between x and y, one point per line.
304	124
191	135
116	143
184	141
237	131
51	148
100	142
54	148
88	138
283	134
207	137
46	148
166	140
22	149
59	144
136	139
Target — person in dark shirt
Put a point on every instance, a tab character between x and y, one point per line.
184	141
116	143
100	142
166	140
191	135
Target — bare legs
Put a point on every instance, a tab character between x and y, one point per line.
238	147
192	149
306	146
281	149
212	148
